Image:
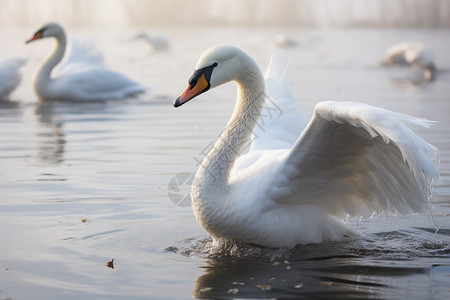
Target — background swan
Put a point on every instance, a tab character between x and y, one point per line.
80	79
157	43
285	41
351	159
412	54
9	75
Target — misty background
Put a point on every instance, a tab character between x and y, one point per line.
313	13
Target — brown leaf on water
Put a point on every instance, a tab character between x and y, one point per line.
110	264
265	287
326	283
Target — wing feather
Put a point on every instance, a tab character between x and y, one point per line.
357	159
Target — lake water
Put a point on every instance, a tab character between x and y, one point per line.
83	183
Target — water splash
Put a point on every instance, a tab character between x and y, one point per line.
398	244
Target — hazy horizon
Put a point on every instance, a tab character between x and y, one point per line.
308	13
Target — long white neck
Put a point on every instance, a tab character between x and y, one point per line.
43	76
212	176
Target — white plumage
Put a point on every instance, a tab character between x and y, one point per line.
82	77
291	186
156	42
412	54
9	75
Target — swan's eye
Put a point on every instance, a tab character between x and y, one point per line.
215	64
192	84
41	31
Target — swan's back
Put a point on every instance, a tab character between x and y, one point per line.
84	82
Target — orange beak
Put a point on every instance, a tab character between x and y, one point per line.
199	86
36	36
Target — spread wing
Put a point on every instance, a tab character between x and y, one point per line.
357	159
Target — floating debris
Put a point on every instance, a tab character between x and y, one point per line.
266	287
299	286
110	264
206	289
276	264
84	220
172	249
238	283
233	291
326	283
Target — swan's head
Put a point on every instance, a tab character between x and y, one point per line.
47	30
216	66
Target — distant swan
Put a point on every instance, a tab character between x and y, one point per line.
80	80
9	75
157	43
284	41
290	187
412	54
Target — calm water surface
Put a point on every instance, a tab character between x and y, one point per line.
82	183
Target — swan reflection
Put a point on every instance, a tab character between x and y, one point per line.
51	138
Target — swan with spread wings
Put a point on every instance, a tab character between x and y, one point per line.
292	186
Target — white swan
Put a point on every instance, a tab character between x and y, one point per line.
413	54
284	41
157	43
80	81
9	75
289	188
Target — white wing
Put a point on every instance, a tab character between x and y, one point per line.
280	123
83	76
356	159
81	53
351	159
